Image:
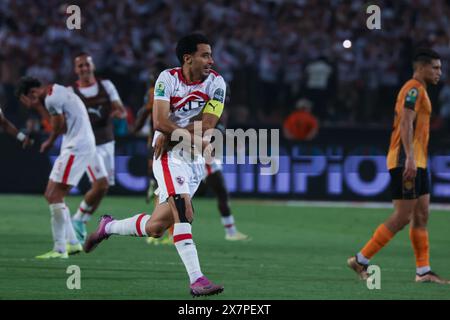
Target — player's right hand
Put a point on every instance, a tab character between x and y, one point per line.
410	169
160	146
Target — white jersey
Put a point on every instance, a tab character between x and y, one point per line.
187	99
79	137
92	90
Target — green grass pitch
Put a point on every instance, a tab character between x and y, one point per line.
295	253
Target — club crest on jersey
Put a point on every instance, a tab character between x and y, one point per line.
219	95
160	89
411	96
180	180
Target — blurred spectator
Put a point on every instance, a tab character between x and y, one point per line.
301	124
317	77
444	99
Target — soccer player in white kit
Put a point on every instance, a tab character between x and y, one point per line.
68	117
181	95
103	103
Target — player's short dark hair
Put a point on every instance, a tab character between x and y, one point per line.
80	54
188	45
425	55
26	84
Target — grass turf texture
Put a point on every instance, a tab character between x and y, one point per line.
295	253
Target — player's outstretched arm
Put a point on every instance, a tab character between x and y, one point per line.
13	131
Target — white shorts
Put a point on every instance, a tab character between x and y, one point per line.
216	165
70	167
176	176
104	164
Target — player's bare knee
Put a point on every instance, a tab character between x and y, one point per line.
155	230
53	197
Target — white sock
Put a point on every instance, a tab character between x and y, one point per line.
182	238
228	224
83	213
361	259
71	236
422	270
58	226
134	226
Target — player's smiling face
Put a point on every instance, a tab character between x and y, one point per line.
432	71
84	67
202	61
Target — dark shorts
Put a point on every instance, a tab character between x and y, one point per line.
409	189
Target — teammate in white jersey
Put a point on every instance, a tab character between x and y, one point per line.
181	94
103	103
68	117
12	130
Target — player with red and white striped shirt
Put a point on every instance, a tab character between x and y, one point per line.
181	96
69	118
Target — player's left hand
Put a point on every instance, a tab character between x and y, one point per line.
46	145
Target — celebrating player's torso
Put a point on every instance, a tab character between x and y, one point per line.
79	137
187	99
413	95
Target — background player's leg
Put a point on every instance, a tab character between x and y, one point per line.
54	194
217	183
418	234
88	206
92	200
403	210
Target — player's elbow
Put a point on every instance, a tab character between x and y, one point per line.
158	125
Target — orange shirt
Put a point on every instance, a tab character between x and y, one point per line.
300	124
413	95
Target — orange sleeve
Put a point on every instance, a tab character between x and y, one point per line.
47	127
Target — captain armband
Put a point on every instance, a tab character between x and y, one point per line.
214	107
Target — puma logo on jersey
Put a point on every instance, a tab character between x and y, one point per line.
95	111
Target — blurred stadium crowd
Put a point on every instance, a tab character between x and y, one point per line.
270	52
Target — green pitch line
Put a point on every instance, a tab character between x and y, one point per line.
295	253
